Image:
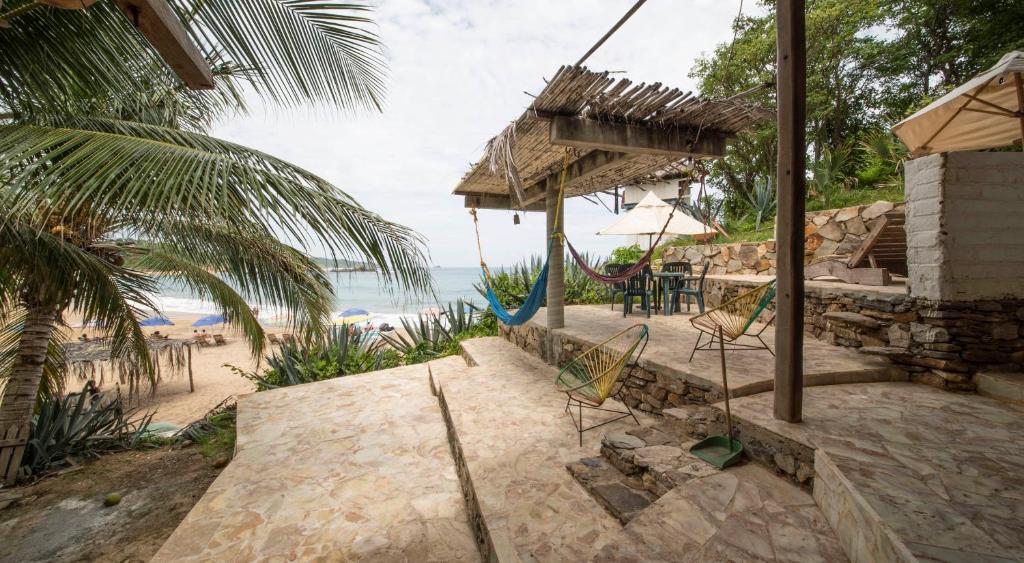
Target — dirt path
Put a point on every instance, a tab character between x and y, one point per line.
62	518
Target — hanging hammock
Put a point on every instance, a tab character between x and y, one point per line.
628	272
535	297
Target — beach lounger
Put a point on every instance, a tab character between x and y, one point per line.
273	339
219	339
288	339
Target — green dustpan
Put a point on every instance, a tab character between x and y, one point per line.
720	451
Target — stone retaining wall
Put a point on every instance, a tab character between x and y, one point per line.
942	343
646	389
832	232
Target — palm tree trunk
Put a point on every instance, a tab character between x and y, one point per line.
19	396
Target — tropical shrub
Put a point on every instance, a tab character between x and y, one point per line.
627	254
80	425
337	353
215	433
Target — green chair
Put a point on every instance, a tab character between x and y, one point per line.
615	288
688	291
599	373
638	286
735	317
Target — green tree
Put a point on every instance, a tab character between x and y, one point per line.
103	158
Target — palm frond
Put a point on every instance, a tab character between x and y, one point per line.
300	51
208	286
149	174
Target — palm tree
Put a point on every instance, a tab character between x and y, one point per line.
107	177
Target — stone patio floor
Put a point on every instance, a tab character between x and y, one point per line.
942	474
351	469
753	371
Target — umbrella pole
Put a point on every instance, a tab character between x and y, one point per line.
1020	105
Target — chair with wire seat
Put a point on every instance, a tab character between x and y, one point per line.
615	288
638	286
689	291
599	373
735	317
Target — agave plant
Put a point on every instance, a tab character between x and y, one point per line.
337	353
434	336
762	199
80	425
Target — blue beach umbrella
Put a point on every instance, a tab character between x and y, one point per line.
355	311
210	320
156	321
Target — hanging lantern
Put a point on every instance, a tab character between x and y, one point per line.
515	218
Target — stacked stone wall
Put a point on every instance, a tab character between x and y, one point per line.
832	233
942	343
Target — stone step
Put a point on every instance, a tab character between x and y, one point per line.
621	495
1005	386
446	369
496	352
741	514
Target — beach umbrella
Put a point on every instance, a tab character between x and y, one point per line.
210	320
985	112
351	319
353	312
649	217
156	321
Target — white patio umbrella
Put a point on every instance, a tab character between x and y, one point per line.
985	112
648	218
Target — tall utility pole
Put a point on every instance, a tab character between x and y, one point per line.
792	103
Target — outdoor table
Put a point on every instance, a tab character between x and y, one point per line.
662	278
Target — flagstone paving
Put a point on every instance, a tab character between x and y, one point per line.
905	470
351	469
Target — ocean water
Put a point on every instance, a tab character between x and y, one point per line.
352	290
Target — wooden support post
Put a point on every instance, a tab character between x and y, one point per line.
789	321
191	383
556	265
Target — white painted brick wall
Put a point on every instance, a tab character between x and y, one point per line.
965	225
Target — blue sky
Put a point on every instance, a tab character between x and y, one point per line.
458	70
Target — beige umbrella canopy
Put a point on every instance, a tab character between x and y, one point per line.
649	217
986	112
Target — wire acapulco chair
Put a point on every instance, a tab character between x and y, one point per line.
732	319
599	373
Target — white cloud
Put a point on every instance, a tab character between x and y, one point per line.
458	69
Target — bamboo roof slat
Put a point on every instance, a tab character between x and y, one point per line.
523	151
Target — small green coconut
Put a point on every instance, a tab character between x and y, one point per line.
112	499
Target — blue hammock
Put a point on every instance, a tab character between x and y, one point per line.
533	301
530	306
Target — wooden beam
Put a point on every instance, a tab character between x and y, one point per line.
497	201
590	164
556	259
635	139
157	22
792	100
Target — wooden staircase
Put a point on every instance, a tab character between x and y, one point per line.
883	252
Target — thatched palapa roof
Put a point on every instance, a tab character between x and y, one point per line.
619	133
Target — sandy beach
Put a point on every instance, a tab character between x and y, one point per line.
214	381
